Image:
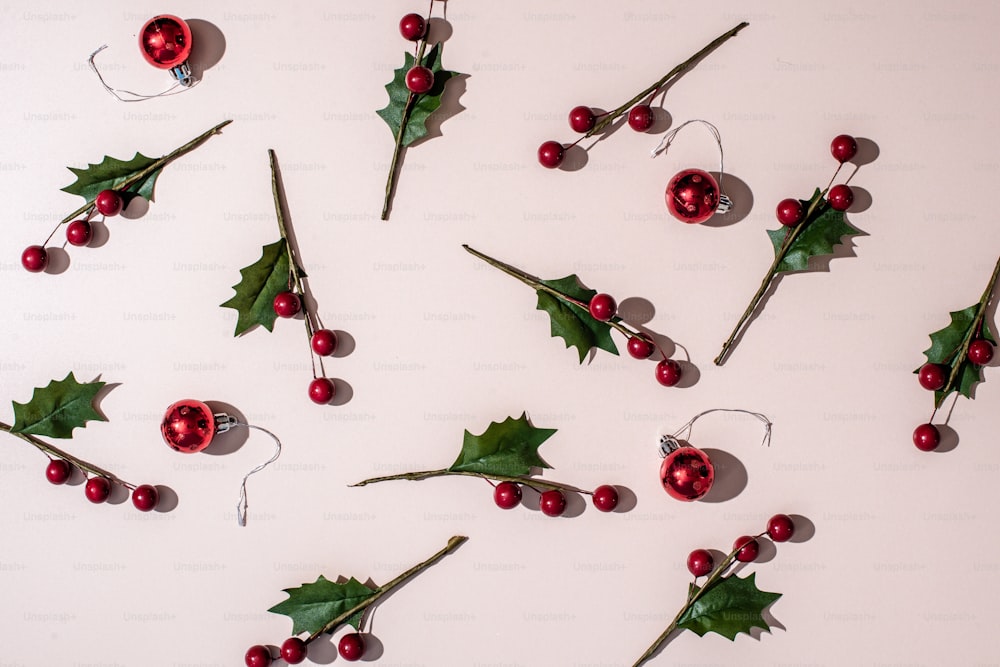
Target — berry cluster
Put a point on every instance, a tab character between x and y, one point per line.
780	528
413	28
790	212
322	342
552	502
604	308
78	232
98	487
295	650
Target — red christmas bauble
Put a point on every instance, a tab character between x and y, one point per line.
165	41
692	196
687	473
188	426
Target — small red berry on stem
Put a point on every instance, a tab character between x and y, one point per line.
551	154
840	197
700	562
97	489
257	656
287	304
980	352
321	391
413	27
668	372
145	497
926	437
78	233
351	647
790	212
605	498
748	549
932	376
780	528
419	79
58	471
507	495
640	347
843	147
582	119
108	203
552	503
294	650
324	342
603	307
640	117
34	258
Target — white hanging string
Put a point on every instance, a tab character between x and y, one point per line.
241	505
670	442
724	202
138	97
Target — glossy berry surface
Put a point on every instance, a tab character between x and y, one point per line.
582	119
507	495
780	528
412	27
34	258
603	307
97	489
324	342
551	154
980	352
668	372
78	233
789	212
351	647
926	437
640	347
145	497
287	304
932	376
257	656
605	498
843	147
58	471
640	117
552	502
294	650
700	562
321	391
748	549
419	79
108	203
840	197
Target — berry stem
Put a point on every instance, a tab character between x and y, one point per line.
612	115
425	474
453	544
52	451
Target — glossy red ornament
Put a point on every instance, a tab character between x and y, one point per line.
165	41
188	426
692	196
686	473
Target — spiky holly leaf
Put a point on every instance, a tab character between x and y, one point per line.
312	606
58	408
572	323
731	606
262	281
425	104
949	343
509	447
824	230
109	173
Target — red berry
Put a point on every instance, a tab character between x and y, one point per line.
412	27
748	549
145	497
640	347
603	307
605	498
419	79
552	502
550	154
700	562
34	258
287	304
582	119
351	647
507	495
108	203
843	147
840	197
640	117
790	212
257	656
932	376
321	391
324	342
97	489
668	372
78	232
780	528
980	352
58	471
926	437
294	650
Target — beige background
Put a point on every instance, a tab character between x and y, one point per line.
902	568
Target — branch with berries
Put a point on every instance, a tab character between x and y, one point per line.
107	188
273	287
54	411
506	452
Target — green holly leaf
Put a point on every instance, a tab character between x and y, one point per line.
572	323
109	173
312	606
424	105
731	606
57	409
824	230
948	344
262	281
509	448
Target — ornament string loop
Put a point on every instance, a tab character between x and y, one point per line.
184	81
241	505
725	203
669	443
